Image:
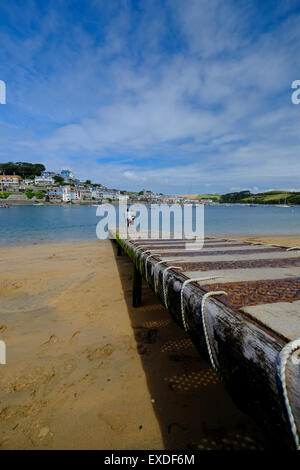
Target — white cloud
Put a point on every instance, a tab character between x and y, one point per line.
214	111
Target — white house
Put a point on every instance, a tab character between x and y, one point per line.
43	180
70	194
111	194
66	193
97	193
28	182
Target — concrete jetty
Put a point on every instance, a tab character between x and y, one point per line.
239	302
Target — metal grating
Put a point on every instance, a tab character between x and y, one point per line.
240	264
224	252
242	294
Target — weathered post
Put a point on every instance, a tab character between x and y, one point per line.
119	250
136	287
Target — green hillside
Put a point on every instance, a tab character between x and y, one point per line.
213	197
273	197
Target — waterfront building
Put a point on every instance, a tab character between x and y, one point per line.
97	193
10	181
66	193
45	179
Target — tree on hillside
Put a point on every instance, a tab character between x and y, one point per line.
24	169
235	197
58	179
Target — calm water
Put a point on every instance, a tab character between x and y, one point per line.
34	224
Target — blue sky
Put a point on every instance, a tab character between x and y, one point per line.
177	96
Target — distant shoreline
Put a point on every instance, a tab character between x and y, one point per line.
30	203
92	203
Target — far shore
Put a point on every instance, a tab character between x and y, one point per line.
24	202
44	203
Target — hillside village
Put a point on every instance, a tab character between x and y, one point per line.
49	187
53	187
26	183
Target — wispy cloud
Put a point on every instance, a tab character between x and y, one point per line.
169	95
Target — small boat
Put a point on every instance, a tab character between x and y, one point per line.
282	205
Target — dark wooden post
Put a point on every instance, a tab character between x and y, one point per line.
136	287
119	249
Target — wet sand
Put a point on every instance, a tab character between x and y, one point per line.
87	371
284	240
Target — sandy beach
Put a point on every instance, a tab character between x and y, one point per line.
87	371
284	240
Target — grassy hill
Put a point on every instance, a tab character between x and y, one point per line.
273	197
213	197
268	197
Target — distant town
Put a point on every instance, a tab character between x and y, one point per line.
26	183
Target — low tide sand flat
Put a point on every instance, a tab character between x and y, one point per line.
255	315
85	370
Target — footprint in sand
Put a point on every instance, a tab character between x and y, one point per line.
106	350
38	436
2	328
115	421
16	285
43	432
53	339
75	335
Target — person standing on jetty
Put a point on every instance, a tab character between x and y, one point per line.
128	217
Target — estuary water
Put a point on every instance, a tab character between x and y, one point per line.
37	224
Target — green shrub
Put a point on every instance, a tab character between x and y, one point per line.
40	194
4	195
29	193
